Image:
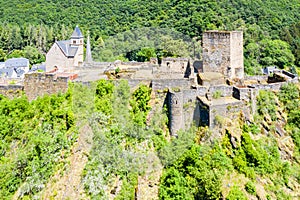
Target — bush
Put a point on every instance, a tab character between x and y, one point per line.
235	194
250	188
217	94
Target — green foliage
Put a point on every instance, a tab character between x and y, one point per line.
2	55
145	54
129	185
217	94
174	149
103	97
34	136
291	35
266	104
16	54
252	128
140	104
276	52
267	53
197	174
33	55
38	25
289	95
121	145
174	186
250	188
236	193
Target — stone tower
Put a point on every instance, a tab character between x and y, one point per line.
77	41
88	57
223	53
175	100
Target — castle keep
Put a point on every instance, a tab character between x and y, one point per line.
223	53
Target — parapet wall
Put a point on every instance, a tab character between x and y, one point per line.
225	90
39	84
161	84
11	91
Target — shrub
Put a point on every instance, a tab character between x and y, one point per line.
217	94
250	188
235	194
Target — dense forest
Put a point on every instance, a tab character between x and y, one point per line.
271	28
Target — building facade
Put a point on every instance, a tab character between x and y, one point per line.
67	54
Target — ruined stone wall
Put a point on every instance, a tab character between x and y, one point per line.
236	54
175	107
175	64
39	84
11	91
223	53
242	93
256	78
162	84
271	87
216	52
227	110
191	111
225	90
134	83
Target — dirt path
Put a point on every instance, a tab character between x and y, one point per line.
68	185
148	184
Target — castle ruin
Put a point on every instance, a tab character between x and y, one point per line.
198	92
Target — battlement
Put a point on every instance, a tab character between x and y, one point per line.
38	84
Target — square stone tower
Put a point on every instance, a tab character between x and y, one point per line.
223	53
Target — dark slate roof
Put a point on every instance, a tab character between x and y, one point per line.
67	48
16	62
76	33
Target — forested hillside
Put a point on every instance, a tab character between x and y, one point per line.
271	28
132	152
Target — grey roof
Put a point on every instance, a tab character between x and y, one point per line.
8	72
2	65
17	62
38	67
76	33
19	71
67	48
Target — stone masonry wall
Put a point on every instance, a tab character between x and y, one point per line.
161	84
236	54
223	53
39	84
216	52
229	110
225	90
11	91
175	100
